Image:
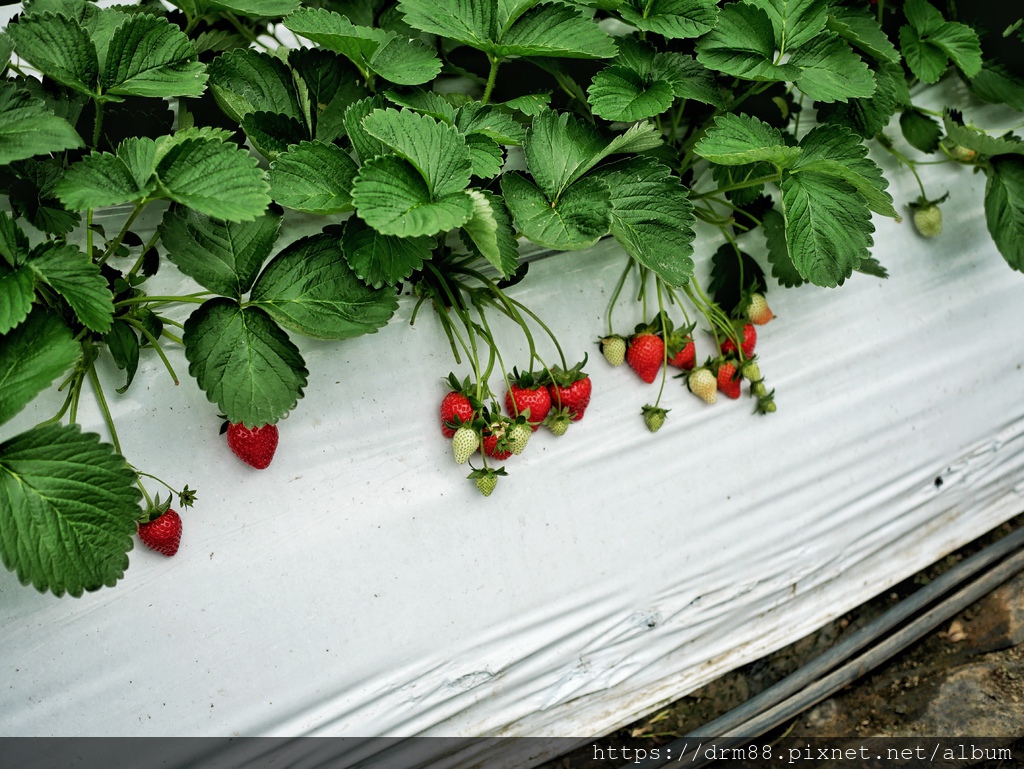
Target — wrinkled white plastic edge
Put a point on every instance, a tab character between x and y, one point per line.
362	587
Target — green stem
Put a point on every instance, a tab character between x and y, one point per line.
156	346
88	232
664	336
124	231
618	290
738	186
169	335
97	125
887	144
543	325
101	399
145	250
197	298
491	77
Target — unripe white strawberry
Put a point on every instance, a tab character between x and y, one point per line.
928	220
464	443
614	349
758	311
703	384
517	437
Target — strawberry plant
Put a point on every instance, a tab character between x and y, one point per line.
428	140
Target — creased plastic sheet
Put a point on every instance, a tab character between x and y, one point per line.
362	587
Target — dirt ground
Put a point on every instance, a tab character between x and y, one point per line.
965	678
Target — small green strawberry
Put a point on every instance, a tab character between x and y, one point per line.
962	154
486	479
752	371
464	443
654	417
928	216
558	420
614	349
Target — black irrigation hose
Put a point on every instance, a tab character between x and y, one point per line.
810	684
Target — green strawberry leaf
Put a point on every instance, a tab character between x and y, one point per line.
868	117
382	260
14	243
332	84
1004	208
619	93
438	151
859	27
501	29
580	217
313	177
830	71
921	131
837	151
783	269
59	47
101	179
123	344
743	45
245	80
973	139
32	355
214	177
372	50
474	118
928	43
671	18
651	216
27	128
997	85
68	506
393	197
310	288
32	195
244	362
366	146
148	56
271	133
737	140
486	156
17	293
426	103
223	257
794	22
6	49
561	148
828	227
72	274
254	9
491	233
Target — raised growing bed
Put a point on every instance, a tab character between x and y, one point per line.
360	587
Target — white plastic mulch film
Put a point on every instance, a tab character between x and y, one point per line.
362	587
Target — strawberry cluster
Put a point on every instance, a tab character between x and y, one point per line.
653	348
554	399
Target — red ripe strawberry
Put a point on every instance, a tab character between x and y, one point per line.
525	392
454	404
162	534
686	358
490	447
749	340
574	397
254	446
645	355
729	380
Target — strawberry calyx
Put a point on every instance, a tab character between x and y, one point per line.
155	509
566	377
